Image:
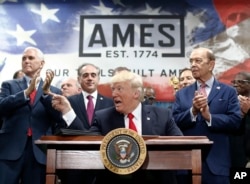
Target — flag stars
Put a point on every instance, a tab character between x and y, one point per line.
118	2
103	9
46	14
22	36
150	11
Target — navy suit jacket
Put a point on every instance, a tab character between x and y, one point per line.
77	103
18	115
226	117
155	121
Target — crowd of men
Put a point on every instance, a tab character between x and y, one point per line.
31	107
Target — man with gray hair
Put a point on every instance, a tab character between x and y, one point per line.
208	108
25	119
70	86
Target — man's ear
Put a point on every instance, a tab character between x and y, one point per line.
211	65
42	64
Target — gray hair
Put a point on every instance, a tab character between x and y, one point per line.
86	64
40	54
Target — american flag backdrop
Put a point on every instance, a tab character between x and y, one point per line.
54	27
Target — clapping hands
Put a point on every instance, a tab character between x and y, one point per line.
47	82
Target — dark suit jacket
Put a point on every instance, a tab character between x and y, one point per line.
155	121
226	117
18	115
247	134
77	103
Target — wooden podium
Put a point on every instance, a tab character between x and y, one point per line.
163	153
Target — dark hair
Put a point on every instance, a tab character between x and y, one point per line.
15	76
245	74
183	70
86	64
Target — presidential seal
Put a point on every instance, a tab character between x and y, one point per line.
123	151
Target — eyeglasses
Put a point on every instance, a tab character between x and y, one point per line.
240	81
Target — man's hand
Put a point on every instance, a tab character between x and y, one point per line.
244	103
61	103
199	102
33	83
47	82
200	105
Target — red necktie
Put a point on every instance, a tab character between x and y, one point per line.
32	97
203	89
90	108
32	100
131	122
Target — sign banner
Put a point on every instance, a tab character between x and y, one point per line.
151	38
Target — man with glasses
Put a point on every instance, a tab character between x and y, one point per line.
208	108
240	139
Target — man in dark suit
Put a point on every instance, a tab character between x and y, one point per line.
209	108
88	78
77	118
127	93
24	122
241	83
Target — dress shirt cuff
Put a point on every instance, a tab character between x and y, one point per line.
209	123
193	117
69	117
25	97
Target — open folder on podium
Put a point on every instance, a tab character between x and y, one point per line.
69	132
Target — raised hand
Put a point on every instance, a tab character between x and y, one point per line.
33	83
61	103
244	104
200	105
47	82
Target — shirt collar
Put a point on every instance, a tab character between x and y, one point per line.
209	82
137	111
94	94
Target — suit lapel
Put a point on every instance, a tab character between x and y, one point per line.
214	91
99	102
192	88
39	93
147	121
118	118
82	107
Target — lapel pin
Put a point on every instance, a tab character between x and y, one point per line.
148	118
218	87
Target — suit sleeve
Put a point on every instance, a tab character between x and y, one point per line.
181	112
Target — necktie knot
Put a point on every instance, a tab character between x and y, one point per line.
89	97
130	116
203	88
203	85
